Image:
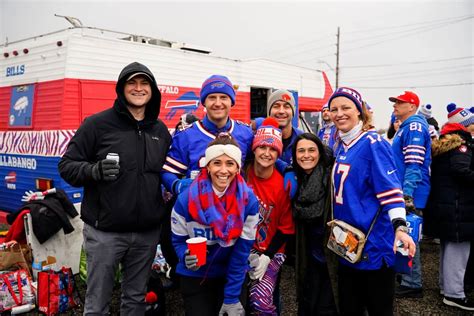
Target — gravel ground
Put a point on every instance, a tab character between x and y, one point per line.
430	304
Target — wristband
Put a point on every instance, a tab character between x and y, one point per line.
398	222
402	229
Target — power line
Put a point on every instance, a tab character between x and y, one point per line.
431	74
408	63
405	32
314	58
416	87
299	52
406	25
405	35
372	44
419	30
297	45
413	73
424	26
306	43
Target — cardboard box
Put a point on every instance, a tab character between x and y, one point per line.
415	225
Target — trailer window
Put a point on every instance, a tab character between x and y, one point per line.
258	102
312	121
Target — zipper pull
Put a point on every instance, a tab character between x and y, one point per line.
139	130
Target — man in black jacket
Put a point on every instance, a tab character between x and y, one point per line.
450	208
122	207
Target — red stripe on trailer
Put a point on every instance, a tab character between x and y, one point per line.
64	104
3	217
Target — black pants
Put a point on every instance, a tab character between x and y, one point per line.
318	298
202	298
165	240
370	290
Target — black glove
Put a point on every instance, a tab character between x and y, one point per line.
409	204
106	170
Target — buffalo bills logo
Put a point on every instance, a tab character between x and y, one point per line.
352	93
464	113
217	85
11	177
188	102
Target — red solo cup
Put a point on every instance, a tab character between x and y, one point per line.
198	246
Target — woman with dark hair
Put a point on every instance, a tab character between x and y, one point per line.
312	164
219	206
393	128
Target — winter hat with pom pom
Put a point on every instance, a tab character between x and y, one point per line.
462	116
268	134
425	110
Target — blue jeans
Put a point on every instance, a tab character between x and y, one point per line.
413	280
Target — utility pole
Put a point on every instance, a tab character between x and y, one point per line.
337	56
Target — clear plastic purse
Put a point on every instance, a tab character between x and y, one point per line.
346	241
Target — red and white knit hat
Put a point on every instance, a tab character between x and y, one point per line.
459	115
268	134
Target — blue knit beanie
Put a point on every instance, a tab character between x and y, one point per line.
217	84
349	93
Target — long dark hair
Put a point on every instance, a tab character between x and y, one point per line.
324	156
391	131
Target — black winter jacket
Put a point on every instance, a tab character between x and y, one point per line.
132	202
449	213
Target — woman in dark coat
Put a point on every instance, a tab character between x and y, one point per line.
312	164
449	214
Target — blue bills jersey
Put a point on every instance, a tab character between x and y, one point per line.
364	181
327	135
189	145
412	153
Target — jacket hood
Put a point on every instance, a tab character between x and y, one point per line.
153	106
452	127
453	135
415	118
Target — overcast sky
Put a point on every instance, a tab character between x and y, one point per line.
386	46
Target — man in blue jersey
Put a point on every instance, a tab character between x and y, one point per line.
189	144
328	129
281	106
412	153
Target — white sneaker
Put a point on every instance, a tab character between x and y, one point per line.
462	303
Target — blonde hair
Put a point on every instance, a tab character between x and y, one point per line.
366	117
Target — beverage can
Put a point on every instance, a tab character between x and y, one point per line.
194	173
113	156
